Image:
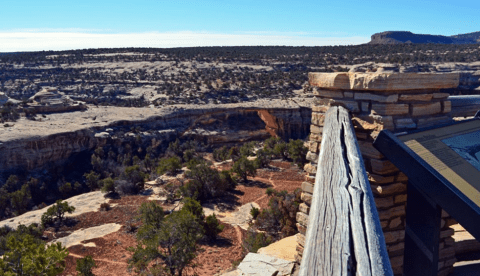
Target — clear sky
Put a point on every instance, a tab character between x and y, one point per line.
27	25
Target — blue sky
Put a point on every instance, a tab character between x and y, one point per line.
55	25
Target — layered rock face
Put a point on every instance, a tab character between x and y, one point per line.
29	145
378	101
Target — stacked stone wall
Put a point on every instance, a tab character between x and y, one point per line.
372	112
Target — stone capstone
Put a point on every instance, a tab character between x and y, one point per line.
384	81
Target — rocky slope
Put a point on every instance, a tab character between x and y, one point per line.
53	138
398	37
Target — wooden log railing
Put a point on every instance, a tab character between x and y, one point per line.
464	106
344	236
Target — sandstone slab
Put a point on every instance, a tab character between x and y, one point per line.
384	81
261	265
283	249
87	234
88	202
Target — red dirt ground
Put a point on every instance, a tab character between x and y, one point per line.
111	254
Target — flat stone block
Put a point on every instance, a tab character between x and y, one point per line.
397	211
401	177
376	97
320	108
447	233
400	198
307	187
390	109
415	97
318	118
365	106
302	218
394	236
431	121
426	109
367	149
310	168
304	208
384	81
405	123
312	156
394	223
316	129
352	106
379	179
300	239
383	202
382	166
328	93
302	229
348	94
307	198
441	95
446	106
315	137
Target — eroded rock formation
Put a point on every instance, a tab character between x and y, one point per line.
29	145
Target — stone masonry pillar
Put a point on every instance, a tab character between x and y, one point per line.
378	101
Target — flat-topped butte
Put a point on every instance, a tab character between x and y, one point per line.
384	81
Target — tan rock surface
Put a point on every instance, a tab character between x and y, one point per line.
83	203
87	234
283	249
384	81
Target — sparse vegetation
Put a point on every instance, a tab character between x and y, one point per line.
56	213
85	265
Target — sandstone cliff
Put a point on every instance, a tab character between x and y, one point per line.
31	145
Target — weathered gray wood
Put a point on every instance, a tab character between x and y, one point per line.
465	106
344	236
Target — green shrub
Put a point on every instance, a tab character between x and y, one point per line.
85	265
254	240
254	212
244	167
194	207
108	185
57	212
247	149
262	160
169	165
212	227
26	255
206	183
221	154
65	189
297	152
279	219
92	180
135	176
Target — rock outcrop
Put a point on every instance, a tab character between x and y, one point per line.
50	100
29	145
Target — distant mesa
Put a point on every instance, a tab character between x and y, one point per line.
399	37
